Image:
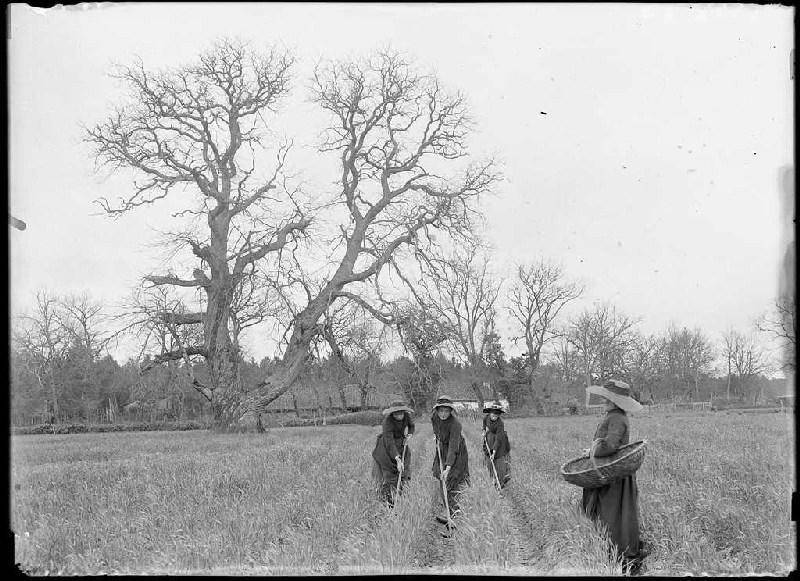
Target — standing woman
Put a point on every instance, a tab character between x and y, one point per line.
496	447
390	461
616	504
452	452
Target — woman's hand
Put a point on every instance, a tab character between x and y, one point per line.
399	463
445	472
588	451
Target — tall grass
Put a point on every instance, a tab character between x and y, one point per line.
714	492
396	544
127	503
714	498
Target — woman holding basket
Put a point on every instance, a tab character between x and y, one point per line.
616	504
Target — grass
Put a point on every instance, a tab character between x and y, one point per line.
714	499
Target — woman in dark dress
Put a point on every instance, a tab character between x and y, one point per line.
496	447
390	461
450	462
616	504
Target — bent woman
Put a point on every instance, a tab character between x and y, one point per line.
496	447
616	504
450	461
391	461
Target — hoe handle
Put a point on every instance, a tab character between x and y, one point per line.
444	484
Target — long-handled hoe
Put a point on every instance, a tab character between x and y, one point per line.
444	487
403	460
491	461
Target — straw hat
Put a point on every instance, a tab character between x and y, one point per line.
397	406
444	401
617	392
494	407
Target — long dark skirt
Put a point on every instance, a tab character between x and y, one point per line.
454	490
457	478
384	469
503	467
616	505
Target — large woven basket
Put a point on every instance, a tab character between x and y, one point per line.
589	472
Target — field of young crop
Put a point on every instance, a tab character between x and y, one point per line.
714	498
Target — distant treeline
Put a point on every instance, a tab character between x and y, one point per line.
103	391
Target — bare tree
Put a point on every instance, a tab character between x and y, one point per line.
43	342
780	322
202	126
460	294
86	323
422	337
356	341
566	358
538	295
745	360
160	321
686	355
646	365
393	132
602	337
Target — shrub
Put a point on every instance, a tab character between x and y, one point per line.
364	418
180	425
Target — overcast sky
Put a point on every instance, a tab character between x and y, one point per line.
642	145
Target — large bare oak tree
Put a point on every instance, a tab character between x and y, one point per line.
201	126
395	134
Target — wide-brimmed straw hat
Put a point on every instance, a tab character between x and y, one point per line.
444	401
397	406
494	407
617	392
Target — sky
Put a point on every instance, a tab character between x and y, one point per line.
643	146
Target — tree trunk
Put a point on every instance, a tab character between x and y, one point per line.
226	410
728	397
477	391
294	358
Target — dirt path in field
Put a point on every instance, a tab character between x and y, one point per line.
430	550
527	545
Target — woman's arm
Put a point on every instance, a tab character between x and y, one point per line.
617	427
388	437
453	443
498	438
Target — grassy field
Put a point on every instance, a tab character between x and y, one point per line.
714	498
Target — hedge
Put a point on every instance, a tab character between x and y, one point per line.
127	427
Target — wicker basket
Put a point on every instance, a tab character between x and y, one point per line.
589	472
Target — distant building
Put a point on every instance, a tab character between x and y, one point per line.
466	404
